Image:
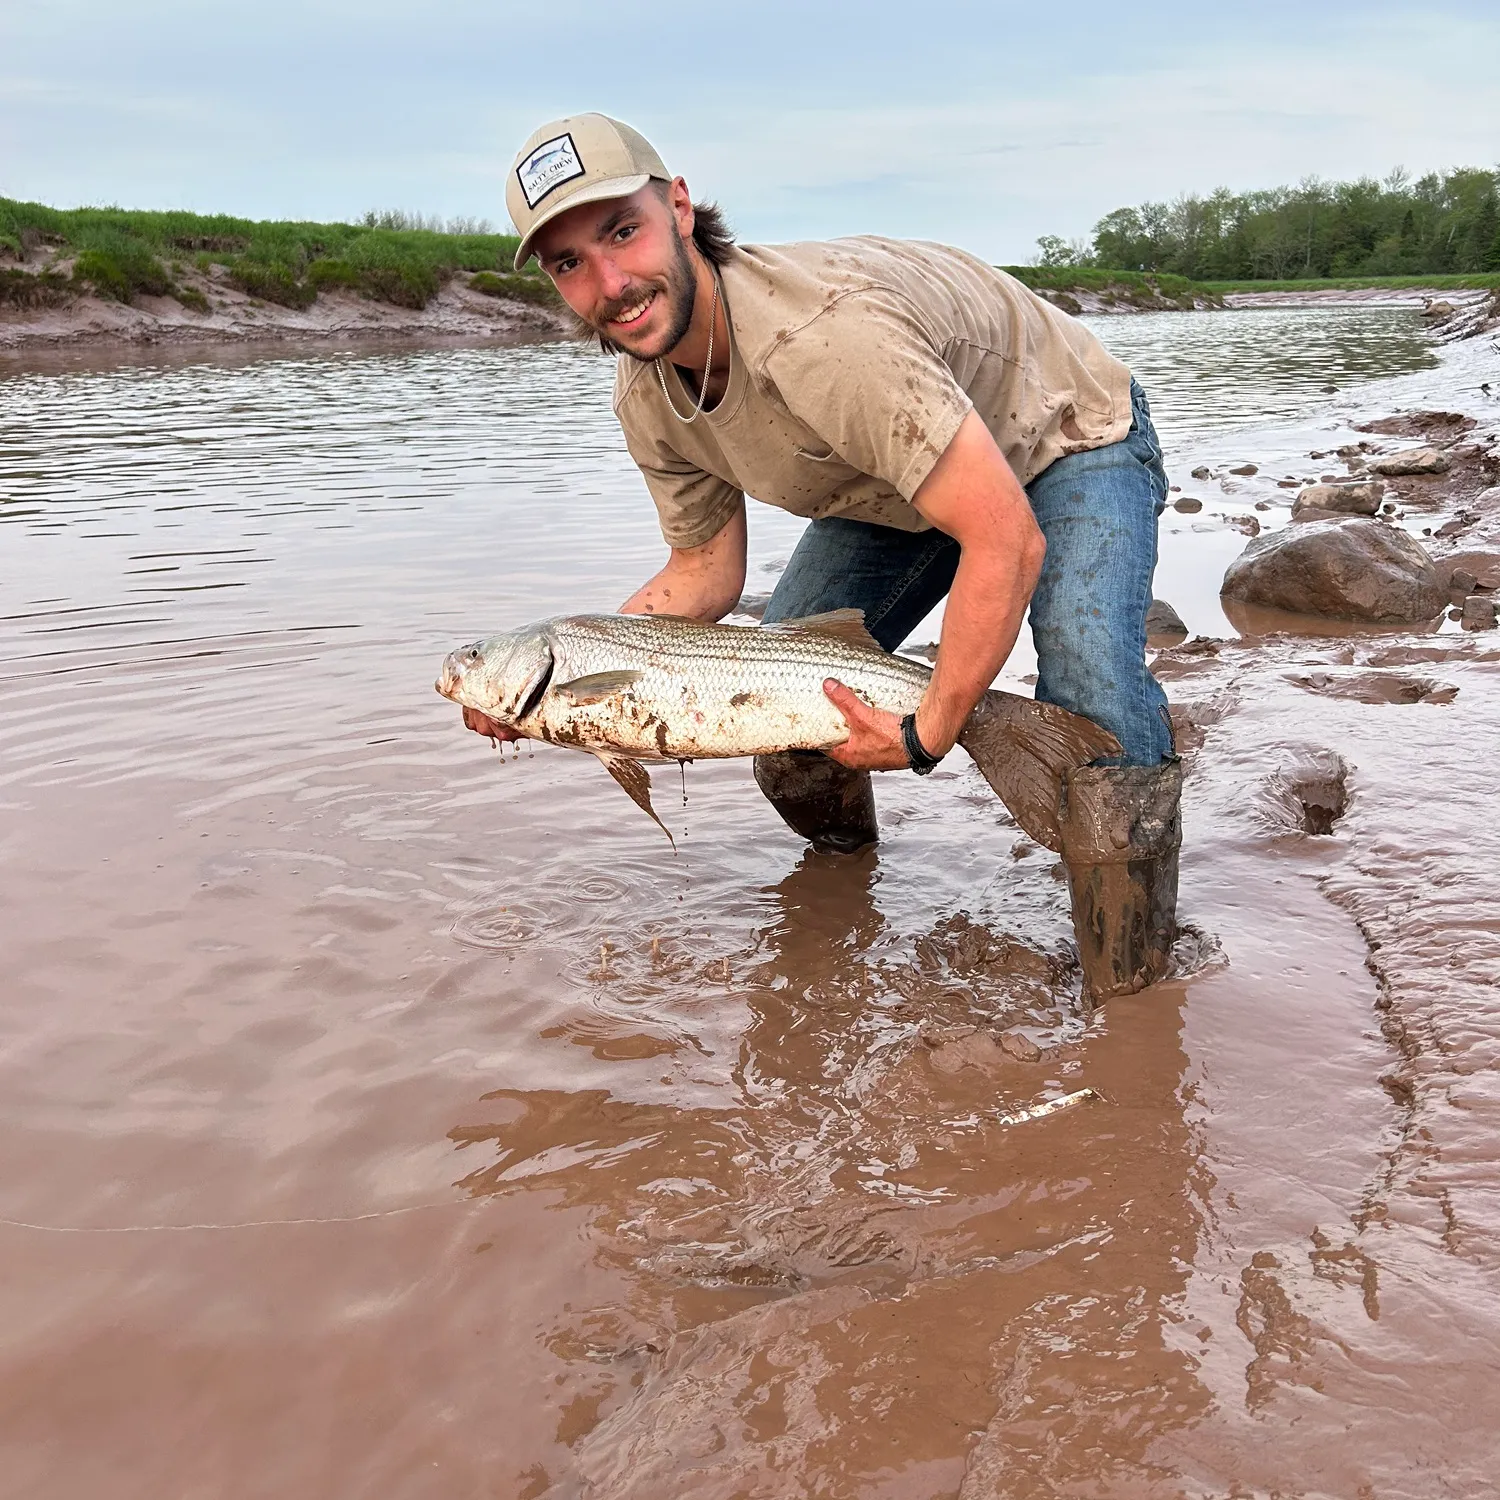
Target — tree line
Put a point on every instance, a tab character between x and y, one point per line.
1443	222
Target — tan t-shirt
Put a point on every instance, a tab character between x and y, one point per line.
854	363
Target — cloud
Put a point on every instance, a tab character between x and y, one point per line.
983	124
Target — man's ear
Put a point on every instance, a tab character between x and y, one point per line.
680	201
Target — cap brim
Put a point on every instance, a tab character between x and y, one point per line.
595	192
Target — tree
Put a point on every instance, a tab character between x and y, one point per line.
1053	250
1439	222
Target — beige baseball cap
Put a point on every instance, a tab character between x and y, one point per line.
580	159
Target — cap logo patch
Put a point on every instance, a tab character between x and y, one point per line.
553	163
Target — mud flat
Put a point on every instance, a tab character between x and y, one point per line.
388	1117
455	313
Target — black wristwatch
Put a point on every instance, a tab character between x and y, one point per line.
921	762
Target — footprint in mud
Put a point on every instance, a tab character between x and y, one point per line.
1309	794
1376	687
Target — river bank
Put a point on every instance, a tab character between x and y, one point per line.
390	1117
224	313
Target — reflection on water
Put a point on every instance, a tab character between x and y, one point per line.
575	1166
1242	366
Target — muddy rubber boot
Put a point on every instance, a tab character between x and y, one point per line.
1121	831
832	807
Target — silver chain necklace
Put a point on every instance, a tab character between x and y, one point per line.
661	374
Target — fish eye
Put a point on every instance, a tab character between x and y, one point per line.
469	655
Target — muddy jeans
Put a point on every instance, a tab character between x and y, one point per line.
1098	511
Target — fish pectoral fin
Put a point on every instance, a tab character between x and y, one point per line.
837	624
596	687
631	775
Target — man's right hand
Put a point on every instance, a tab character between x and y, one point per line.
483	724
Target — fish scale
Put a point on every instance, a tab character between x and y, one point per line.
641	688
714	691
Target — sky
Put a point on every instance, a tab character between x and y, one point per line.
981	124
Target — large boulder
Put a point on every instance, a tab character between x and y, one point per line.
1352	569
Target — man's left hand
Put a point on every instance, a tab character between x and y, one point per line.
874	742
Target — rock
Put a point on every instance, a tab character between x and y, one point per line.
1461	581
1302	513
1480	613
1245	469
1262	505
1412	461
1187	505
1164	625
1352	568
1345	499
1248	524
1482	564
1203	472
1418	423
1019	1046
1458	525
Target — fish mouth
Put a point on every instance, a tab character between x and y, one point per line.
451	675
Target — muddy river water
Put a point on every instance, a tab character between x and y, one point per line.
384	1117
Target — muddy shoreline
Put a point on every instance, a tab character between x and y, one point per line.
459	314
456	313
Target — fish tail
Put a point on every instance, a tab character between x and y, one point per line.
1024	748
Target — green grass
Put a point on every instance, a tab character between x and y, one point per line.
121	253
538	289
1482	281
22	289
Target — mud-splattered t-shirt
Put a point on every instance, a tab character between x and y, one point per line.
854	363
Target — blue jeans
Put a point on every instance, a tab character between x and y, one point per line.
1098	512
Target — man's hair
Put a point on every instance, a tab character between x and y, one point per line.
711	235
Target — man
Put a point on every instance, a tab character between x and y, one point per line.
945	431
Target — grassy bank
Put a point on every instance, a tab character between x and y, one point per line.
1476	282
122	254
1137	289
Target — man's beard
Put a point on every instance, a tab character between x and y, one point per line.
681	293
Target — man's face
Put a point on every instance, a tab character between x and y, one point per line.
623	267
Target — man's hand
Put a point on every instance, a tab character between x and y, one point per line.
482	724
874	742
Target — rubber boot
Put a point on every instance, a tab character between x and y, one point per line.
1121	832
832	807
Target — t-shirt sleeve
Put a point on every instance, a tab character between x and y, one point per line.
867	377
692	505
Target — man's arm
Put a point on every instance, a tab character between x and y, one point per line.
703	583
972	495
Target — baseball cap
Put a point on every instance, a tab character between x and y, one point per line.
580	159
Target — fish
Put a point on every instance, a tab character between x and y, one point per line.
639	689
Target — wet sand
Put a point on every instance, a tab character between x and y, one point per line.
388	1118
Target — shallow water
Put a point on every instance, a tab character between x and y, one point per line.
388	1117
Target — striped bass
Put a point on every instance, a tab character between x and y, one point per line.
640	688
